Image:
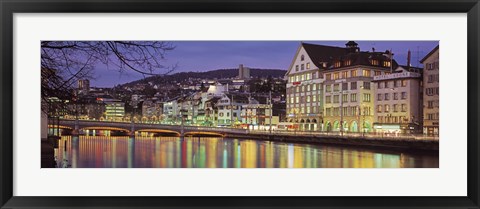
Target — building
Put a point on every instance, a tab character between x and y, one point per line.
431	105
243	72
256	116
83	86
114	110
211	111
170	111
151	111
398	101
329	88
229	109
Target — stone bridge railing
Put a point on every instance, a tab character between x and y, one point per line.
141	126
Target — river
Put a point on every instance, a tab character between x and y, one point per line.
207	152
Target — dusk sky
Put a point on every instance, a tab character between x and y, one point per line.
200	56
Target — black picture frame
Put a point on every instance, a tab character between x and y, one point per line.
10	7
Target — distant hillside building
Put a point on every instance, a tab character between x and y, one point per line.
431	108
243	72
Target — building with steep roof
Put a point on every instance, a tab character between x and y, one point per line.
329	88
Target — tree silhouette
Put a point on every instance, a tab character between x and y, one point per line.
63	63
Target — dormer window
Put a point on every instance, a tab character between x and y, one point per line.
347	62
338	64
374	62
387	64
302	58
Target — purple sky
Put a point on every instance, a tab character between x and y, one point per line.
211	55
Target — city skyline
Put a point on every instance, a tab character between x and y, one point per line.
331	95
201	56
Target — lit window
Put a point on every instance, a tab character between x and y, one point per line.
386	63
379	108
366	73
404	108
353	73
347	62
353	97
338	64
345	74
308	65
374	62
387	108
336	87
366	97
336	76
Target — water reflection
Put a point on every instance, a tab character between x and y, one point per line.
202	152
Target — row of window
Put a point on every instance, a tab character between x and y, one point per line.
303	99
353	73
432	66
353	86
347	111
303	88
303	77
302	67
386	108
235	107
392	119
353	98
433	104
433	116
221	114
304	110
386	96
388	84
432	91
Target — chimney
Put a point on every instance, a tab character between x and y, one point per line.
373	49
408	59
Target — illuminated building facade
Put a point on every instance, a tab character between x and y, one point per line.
398	101
431	102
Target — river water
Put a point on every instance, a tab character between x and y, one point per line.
206	152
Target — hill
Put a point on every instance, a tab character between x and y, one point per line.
214	74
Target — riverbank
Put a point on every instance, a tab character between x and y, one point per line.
377	142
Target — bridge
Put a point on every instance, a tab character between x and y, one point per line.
129	128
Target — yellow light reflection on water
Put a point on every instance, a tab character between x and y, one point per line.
149	151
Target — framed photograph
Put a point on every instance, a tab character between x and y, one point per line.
265	104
